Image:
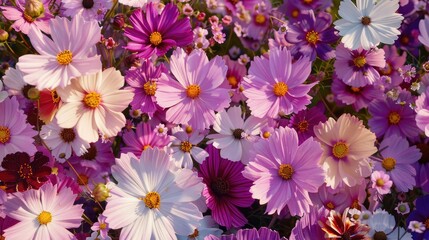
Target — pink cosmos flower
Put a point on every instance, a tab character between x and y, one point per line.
276	85
102	226
16	135
45	213
196	95
142	139
347	144
70	53
184	146
23	21
381	182
94	103
283	172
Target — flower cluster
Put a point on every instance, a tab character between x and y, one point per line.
215	119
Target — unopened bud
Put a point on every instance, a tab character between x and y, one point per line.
3	35
33	93
100	192
34	8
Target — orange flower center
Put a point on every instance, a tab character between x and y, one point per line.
92	100
193	91
359	61
266	134
4	134
286	171
312	37
260	19
330	205
155	38
152	200
280	89
303	126
65	57
355	89
44	218
150	88
379	182
340	149
388	163
185	146
394	118
232	80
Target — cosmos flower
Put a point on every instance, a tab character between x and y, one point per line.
49	103
308	226
304	121
21	174
276	85
381	182
235	137
225	190
94	103
16	135
154	34
368	23
45	213
69	54
88	9
143	138
357	68
280	163
153	198
196	95
347	144
339	226
420	214
382	226
184	148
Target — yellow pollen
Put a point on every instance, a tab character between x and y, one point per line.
92	100
150	88
260	19
155	38
280	89
330	205
312	37
55	98
340	149
379	182
232	80
285	171
4	134
103	226
188	129
359	61
388	163
193	91
152	200
25	171
266	134
185	146
303	126
44	218
295	13
355	216
146	147
307	1
355	89
160	130
241	88
394	118
65	57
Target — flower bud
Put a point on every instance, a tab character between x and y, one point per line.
34	8
118	21
3	35
100	192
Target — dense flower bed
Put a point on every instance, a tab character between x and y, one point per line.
216	119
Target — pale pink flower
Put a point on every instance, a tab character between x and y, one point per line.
381	182
94	103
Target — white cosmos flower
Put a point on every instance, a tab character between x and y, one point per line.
368	23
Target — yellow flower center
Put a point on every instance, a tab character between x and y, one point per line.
388	163
232	80
355	216
394	118
160	130
55	98
150	88
25	171
4	134
312	37
359	61
193	91
330	205
295	13
188	129
65	57
185	146
152	200
285	171
379	182
340	149
146	147
266	134
307	1
260	19
355	89
303	126
92	100
44	217
103	226
280	89
155	38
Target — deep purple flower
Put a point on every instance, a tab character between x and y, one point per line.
143	82
358	97
225	189
391	118
422	167
249	234
304	121
420	214
394	61
312	35
313	4
357	67
154	33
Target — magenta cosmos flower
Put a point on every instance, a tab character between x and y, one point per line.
283	172
196	95
357	68
154	33
275	86
45	213
70	53
16	135
225	189
144	137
